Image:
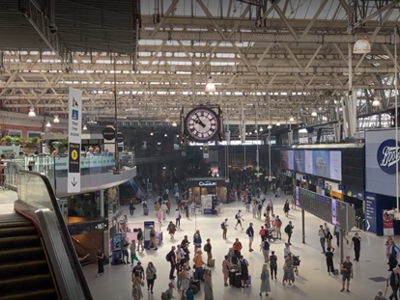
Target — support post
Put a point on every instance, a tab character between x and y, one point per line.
342	234
303	226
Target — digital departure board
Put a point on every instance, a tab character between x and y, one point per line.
328	209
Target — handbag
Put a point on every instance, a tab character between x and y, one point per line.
155	276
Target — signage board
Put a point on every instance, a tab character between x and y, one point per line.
109	133
330	210
206	152
386	156
74	140
370	213
207	183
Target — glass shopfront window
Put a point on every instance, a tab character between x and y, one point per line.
83	207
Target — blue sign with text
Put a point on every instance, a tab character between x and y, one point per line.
370	213
386	156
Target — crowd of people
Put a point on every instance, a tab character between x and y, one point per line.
189	269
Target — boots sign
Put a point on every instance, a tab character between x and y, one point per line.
386	156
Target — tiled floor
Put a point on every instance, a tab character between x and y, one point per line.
7	199
313	281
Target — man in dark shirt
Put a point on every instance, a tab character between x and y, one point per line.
356	243
394	281
138	268
347	273
289	230
329	260
208	249
250	233
171	257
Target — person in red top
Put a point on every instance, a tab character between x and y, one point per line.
278	225
237	247
263	233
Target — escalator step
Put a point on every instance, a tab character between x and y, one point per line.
17	223
19	242
26	282
47	294
27	268
20	255
17	231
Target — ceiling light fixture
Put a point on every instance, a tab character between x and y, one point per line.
314	113
174	124
362	46
48	125
376	103
31	112
261	129
278	124
151	133
84	127
177	135
269	127
210	86
291	119
56	119
165	135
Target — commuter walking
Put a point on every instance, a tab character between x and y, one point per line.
250	234
265	281
239	219
322	237
286	208
289	231
153	242
140	238
329	261
226	266
207	249
100	262
394	282
208	289
347	273
265	249
151	276
171	258
177	218
171	229
329	238
131	207
224	226
288	270
356	243
278	225
197	241
132	248
259	210
137	286
273	264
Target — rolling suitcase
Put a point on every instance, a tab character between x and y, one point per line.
336	272
146	211
189	295
249	281
238	280
232	277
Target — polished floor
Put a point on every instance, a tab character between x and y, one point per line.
313	281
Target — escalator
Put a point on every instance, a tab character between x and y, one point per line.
24	266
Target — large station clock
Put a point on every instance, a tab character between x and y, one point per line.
202	124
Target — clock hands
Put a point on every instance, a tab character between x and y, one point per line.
198	121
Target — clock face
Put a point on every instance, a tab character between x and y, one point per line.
202	124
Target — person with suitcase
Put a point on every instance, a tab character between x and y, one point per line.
244	264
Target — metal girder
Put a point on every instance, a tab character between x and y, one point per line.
316	15
167	13
282	37
41	23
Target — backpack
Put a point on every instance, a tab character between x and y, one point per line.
237	216
206	248
248	231
223	225
266	245
263	276
260	206
140	235
287	229
168	256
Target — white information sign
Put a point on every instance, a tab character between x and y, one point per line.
74	140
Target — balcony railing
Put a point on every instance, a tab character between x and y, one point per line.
57	167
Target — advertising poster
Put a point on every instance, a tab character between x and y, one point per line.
299	161
287	159
334	220
388	223
308	161
336	165
321	163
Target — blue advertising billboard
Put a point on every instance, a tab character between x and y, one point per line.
321	163
370	213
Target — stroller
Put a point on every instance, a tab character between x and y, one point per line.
270	237
296	264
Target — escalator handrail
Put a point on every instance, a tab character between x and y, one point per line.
64	231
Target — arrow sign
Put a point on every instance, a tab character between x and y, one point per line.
368	225
74	182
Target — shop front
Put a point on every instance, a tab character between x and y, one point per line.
199	187
380	181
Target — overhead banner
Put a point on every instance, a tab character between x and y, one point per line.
74	140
